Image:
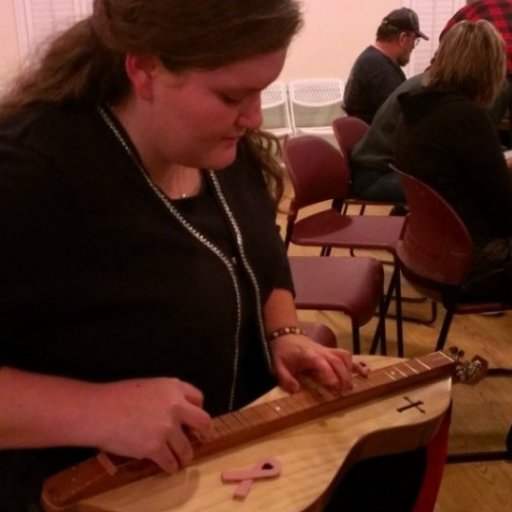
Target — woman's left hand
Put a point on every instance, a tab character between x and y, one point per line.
295	353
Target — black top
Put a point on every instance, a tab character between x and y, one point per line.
450	143
101	282
376	150
374	76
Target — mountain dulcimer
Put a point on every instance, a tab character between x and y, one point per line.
106	471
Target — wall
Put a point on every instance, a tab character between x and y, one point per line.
335	32
9	56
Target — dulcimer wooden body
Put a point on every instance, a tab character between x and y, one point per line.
338	422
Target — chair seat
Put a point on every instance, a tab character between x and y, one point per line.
351	285
319	173
330	228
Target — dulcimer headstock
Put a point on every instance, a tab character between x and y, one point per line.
467	371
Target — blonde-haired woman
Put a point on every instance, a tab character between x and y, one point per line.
448	140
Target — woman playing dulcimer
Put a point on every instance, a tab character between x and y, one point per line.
145	288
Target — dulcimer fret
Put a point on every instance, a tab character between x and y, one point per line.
106	472
314	402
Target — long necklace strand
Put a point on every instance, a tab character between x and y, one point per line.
208	244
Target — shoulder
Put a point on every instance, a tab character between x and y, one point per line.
430	100
35	120
50	131
447	112
373	66
459	107
59	151
371	55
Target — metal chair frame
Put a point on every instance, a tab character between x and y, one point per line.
319	173
435	256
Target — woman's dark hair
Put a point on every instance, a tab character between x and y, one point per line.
85	64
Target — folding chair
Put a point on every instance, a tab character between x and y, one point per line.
348	131
314	103
436	253
275	110
319	173
435	256
353	286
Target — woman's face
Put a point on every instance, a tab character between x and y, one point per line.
197	117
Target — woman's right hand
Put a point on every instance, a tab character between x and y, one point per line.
139	418
147	419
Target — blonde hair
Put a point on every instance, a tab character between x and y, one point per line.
471	60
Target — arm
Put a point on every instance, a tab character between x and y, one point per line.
382	79
296	353
140	418
382	86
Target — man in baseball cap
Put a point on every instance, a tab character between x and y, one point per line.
377	72
404	20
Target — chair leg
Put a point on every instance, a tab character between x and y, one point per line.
458	458
325	251
445	328
484	456
489	455
394	284
380	332
356	340
499	372
417	320
398	310
426	321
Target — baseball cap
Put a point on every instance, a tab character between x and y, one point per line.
404	19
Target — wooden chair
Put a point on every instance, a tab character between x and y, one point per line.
435	256
319	173
348	131
436	253
314	103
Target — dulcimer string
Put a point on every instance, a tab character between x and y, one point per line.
106	471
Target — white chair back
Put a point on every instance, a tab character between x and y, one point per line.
275	110
314	104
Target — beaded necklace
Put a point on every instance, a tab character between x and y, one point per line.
226	260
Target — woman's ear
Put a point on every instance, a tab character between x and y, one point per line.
141	72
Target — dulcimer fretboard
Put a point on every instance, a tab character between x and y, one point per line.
104	473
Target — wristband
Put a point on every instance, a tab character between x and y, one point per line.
283	331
